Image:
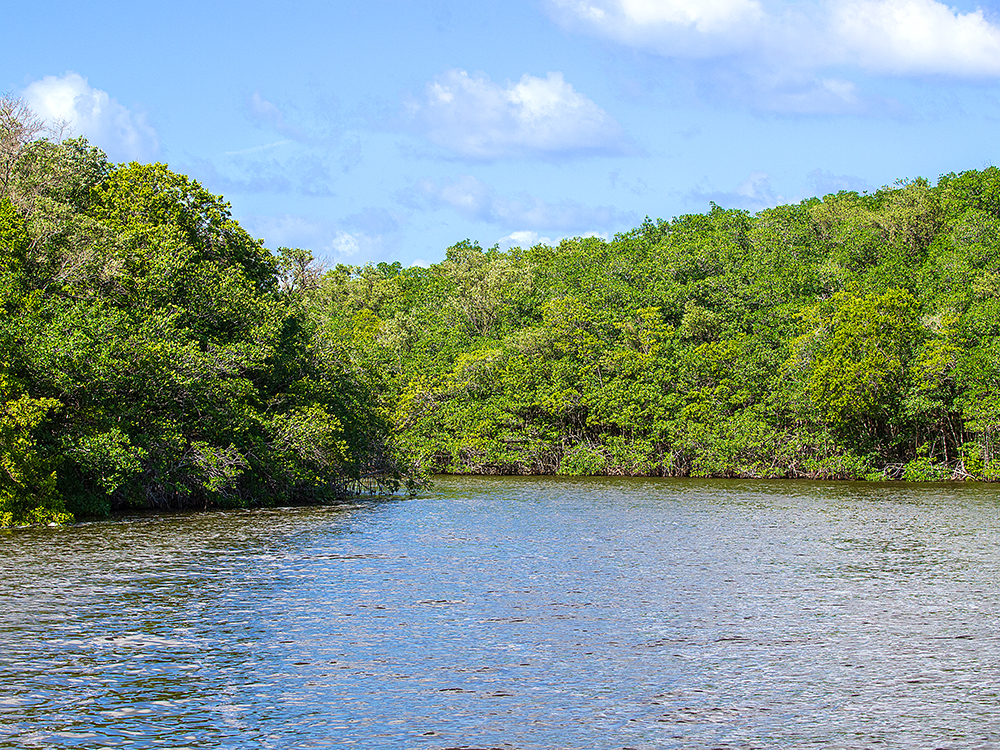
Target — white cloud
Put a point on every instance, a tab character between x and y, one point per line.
704	15
122	134
358	248
905	37
689	28
476	200
478	119
793	56
346	244
524	239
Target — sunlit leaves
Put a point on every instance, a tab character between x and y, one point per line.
28	491
832	339
856	353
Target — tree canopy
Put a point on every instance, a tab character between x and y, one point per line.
150	355
155	355
853	336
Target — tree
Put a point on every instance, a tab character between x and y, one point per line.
855	357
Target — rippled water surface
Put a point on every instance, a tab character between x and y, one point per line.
517	613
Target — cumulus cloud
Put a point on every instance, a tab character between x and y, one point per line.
476	118
476	200
124	135
525	239
695	28
347	246
915	37
899	37
793	56
704	15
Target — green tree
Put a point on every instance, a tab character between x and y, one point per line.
855	356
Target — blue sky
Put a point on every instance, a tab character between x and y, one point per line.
391	130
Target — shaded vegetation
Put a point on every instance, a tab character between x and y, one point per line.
154	355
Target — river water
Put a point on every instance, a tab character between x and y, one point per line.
517	613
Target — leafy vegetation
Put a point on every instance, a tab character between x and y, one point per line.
153	354
854	336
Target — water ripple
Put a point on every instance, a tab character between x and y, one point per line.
516	613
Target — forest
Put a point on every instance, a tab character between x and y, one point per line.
855	336
154	355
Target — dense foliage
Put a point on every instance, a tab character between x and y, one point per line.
153	354
857	336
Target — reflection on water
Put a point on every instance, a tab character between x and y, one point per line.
517	613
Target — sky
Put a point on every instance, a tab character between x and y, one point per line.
392	129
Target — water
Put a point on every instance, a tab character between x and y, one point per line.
517	613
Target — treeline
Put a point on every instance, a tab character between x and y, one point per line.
154	355
852	337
